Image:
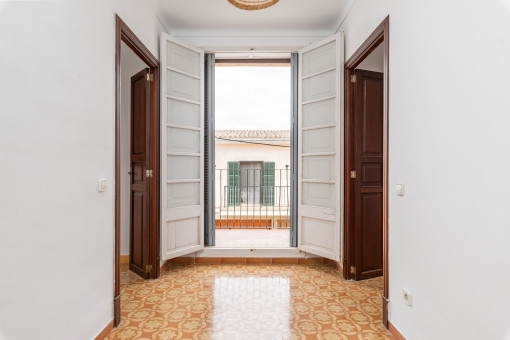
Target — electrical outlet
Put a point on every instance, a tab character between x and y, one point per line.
408	297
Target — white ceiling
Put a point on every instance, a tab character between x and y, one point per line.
219	15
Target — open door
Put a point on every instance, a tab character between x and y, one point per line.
320	155
139	250
182	148
368	156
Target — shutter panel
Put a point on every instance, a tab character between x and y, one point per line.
320	145
234	183
294	152
209	140
182	148
268	183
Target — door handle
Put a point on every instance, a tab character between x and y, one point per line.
130	172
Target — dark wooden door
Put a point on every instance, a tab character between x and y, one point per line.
368	181
139	261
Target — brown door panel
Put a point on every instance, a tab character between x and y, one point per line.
136	259
370	98
371	174
371	234
368	164
139	225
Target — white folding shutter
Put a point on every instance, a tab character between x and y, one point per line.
320	140
182	143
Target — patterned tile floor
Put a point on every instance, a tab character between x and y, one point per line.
249	302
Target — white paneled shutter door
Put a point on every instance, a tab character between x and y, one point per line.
182	148
320	141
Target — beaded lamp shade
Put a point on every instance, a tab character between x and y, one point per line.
251	5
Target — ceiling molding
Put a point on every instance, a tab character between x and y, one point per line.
343	15
163	23
253	44
251	33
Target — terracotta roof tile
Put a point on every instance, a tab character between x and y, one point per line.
253	134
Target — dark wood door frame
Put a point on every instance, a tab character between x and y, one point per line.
124	34
379	36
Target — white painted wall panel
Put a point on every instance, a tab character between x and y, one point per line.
318	113
319	140
183	237
320	59
181	58
183	86
317	233
185	167
319	86
319	167
183	194
318	195
183	140
183	113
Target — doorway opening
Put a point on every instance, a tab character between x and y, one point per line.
252	172
366	162
136	161
135	100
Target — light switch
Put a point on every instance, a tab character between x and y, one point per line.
102	185
399	189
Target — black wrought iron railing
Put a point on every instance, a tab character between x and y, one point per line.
252	199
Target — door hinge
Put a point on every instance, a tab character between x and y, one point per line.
353	78
148	173
150	77
148	268
353	174
353	270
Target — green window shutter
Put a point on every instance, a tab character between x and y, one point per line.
268	184
234	183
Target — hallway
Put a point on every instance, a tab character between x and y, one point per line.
249	302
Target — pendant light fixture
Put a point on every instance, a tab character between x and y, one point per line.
252	5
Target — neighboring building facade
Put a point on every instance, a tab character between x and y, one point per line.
252	169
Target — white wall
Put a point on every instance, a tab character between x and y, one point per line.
56	141
130	64
449	144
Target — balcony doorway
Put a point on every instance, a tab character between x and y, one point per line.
252	159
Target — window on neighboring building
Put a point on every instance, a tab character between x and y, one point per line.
251	180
